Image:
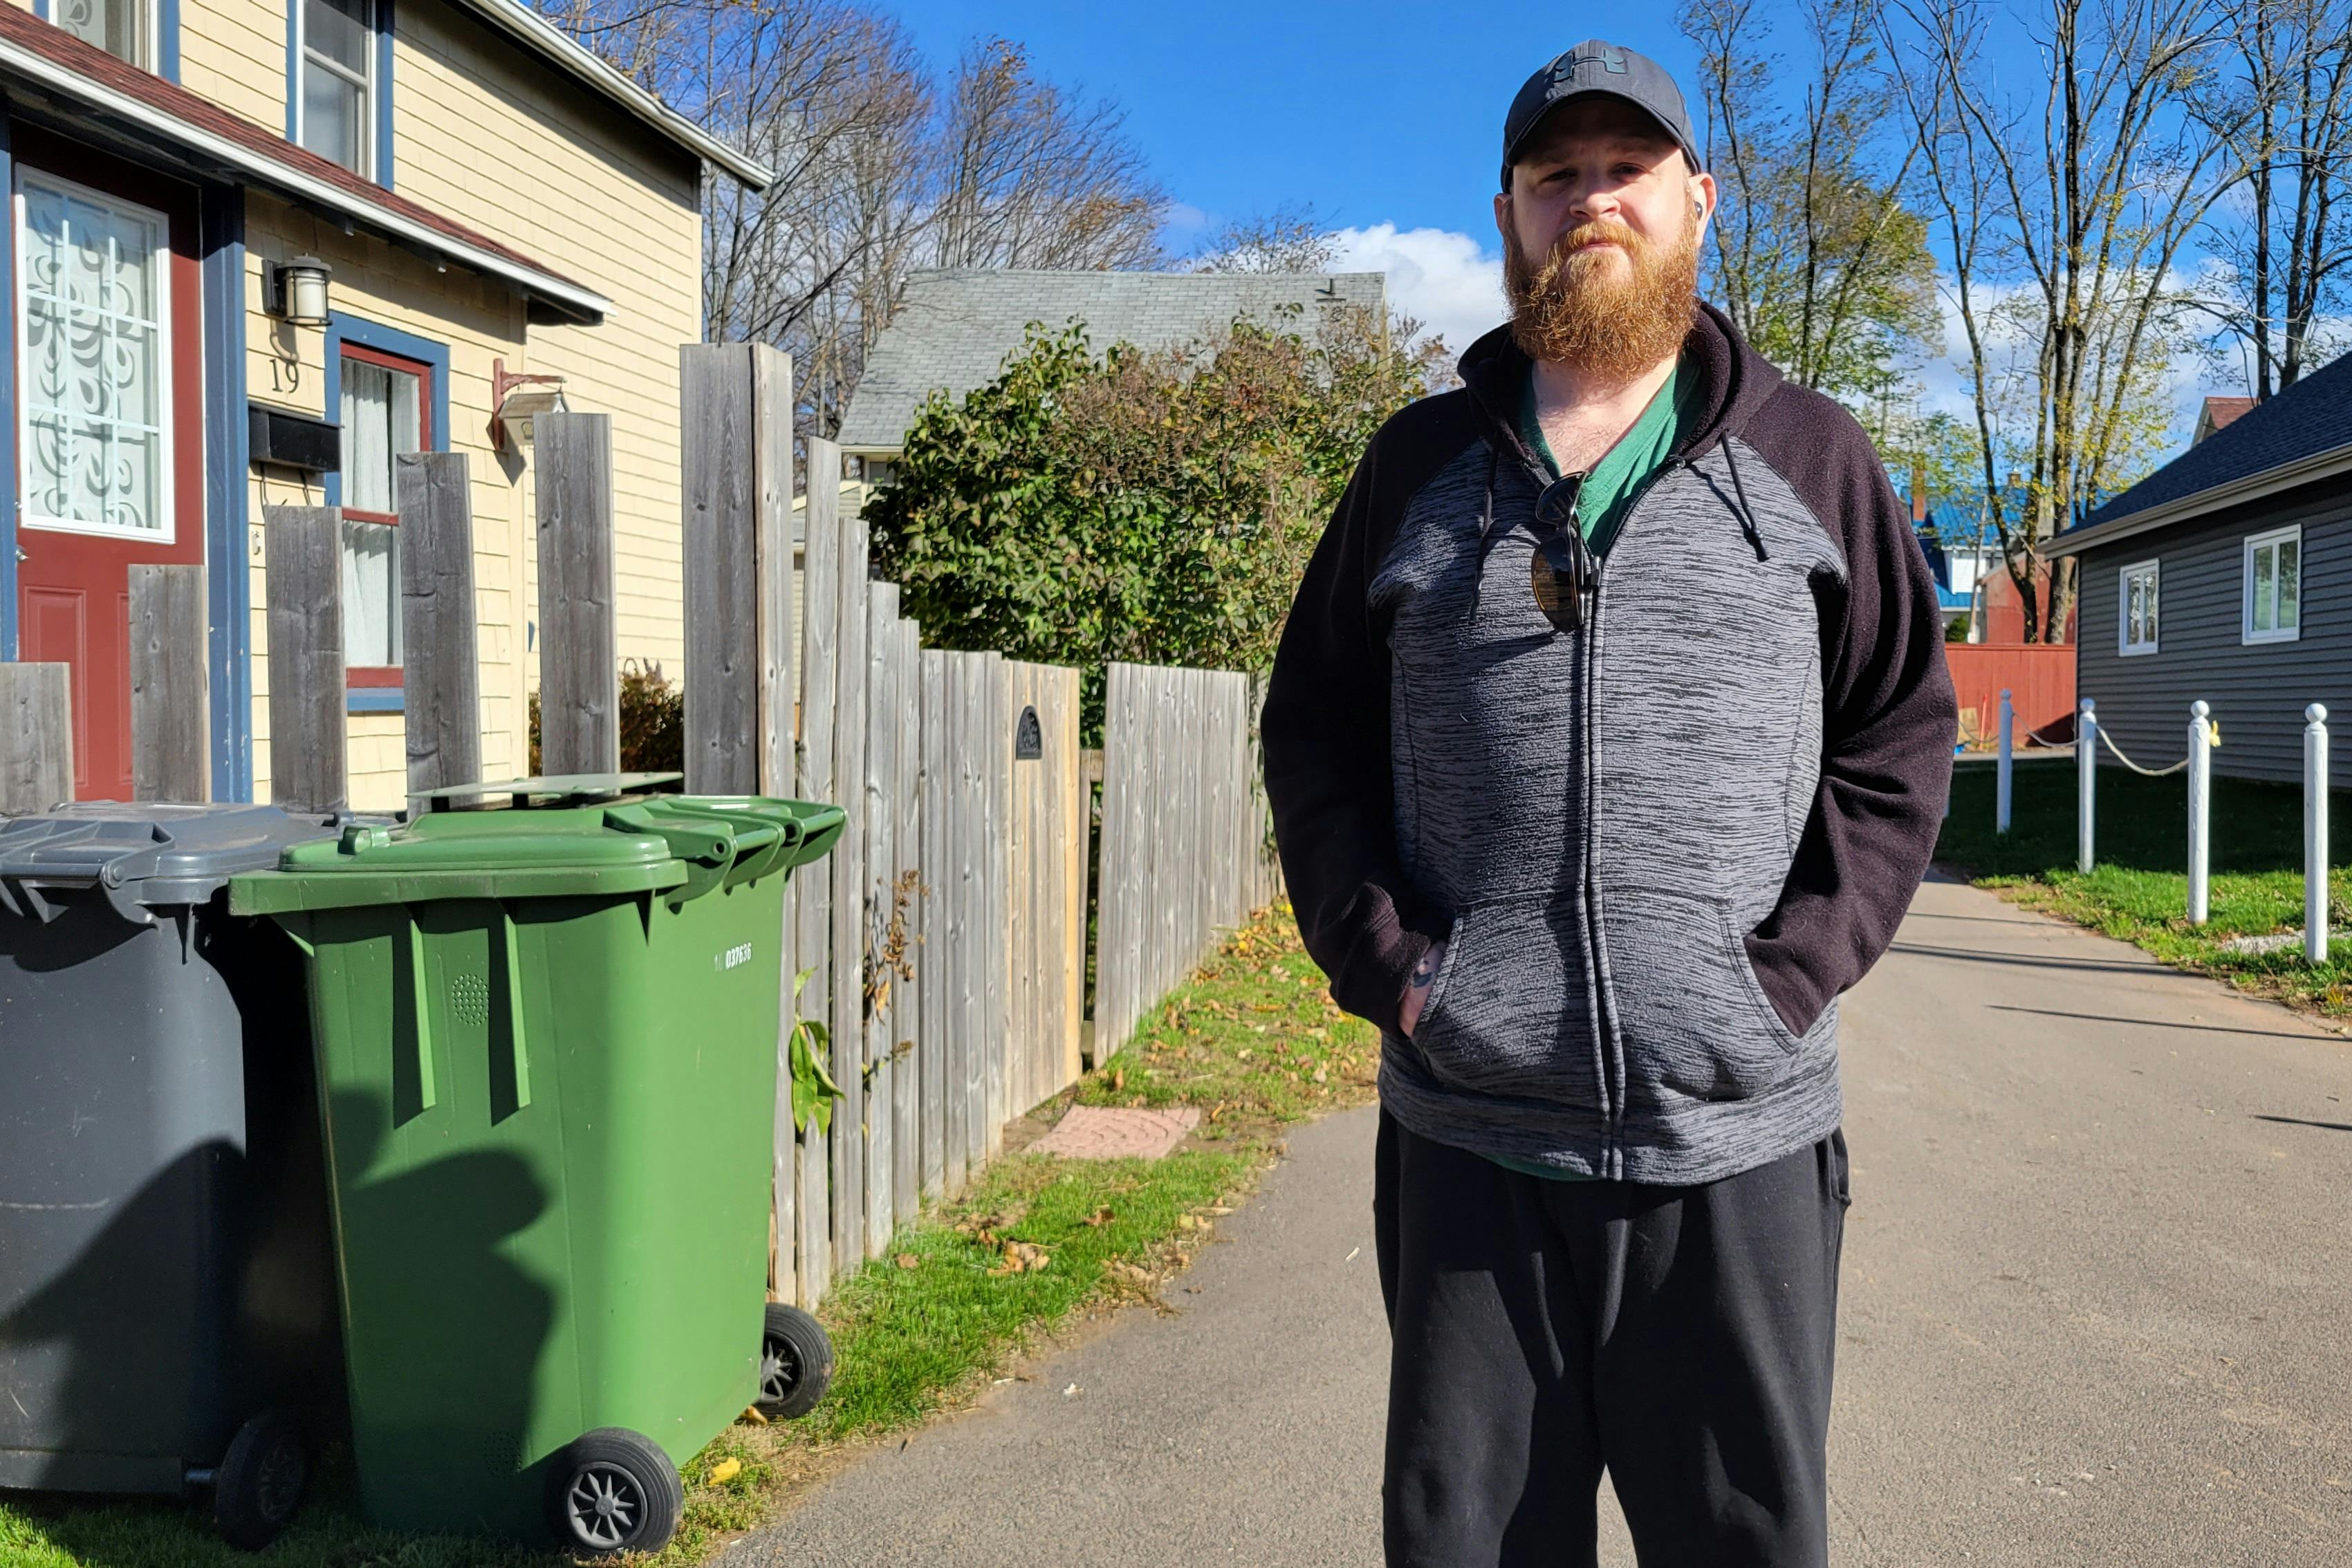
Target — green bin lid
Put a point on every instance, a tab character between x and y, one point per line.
142	856
559	838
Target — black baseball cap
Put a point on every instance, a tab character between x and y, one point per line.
1593	66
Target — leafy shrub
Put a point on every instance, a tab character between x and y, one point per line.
653	721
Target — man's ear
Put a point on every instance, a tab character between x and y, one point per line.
1503	215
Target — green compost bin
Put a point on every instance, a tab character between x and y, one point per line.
546	1035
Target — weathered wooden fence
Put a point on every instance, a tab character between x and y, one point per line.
35	736
1185	846
944	938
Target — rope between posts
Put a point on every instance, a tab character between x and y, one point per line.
2142	772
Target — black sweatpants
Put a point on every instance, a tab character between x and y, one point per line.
1543	1330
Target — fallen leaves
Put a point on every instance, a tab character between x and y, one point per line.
725	1470
1100	1218
908	1261
1022	1258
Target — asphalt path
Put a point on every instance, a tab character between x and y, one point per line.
2094	1311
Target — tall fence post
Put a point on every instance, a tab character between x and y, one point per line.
2087	784
2316	899
171	702
2201	775
2001	763
811	890
442	708
308	757
579	663
36	736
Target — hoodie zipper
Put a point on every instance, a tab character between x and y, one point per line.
1612	1064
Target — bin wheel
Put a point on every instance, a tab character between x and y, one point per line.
614	1490
258	1484
796	1363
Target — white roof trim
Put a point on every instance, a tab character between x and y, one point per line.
275	176
2326	464
536	33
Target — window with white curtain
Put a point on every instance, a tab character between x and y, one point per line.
383	416
93	324
121	27
335	117
2274	587
2136	605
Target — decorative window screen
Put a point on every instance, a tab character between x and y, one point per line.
93	319
117	27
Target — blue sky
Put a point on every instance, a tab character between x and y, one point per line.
1387	118
1376	113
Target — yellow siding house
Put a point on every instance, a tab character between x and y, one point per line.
485	199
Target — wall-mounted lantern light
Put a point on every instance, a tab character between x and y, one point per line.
517	400
297	291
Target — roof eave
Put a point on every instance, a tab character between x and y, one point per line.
2318	466
537	34
582	304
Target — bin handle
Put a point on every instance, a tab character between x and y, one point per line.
421	1000
521	1082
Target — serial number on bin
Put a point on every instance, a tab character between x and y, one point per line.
733	958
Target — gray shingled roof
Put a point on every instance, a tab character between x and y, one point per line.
2310	417
958	325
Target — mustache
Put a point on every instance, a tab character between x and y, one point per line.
1599	231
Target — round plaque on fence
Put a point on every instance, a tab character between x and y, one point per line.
1028	737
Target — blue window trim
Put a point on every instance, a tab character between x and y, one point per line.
8	395
382	87
167	35
366	334
227	468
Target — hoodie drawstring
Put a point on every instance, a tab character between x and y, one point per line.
1747	513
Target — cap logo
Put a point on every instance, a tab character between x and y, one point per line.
1611	60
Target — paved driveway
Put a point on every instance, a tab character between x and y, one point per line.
2097	1280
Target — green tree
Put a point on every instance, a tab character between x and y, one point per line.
1150	507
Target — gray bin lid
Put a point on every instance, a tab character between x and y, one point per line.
143	856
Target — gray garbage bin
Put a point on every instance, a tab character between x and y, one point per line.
167	1294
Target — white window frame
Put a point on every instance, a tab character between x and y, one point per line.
304	58
2253	542
2152	571
165	532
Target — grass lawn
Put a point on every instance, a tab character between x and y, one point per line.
2138	890
1253	1040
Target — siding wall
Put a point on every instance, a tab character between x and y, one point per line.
2257	692
487	135
497	140
284	365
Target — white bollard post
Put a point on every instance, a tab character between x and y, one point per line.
2315	834
2000	765
2200	778
2086	782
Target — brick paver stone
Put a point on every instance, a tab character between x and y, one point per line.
1100	1133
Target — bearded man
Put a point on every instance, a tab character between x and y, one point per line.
1607	744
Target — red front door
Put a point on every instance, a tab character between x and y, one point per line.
109	418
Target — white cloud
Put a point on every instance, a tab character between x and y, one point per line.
1446	280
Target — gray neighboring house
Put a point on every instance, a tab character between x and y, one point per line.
957	326
2226	576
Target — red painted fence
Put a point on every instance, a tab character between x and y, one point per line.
2040	678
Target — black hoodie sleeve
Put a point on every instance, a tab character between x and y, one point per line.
1326	729
1889	717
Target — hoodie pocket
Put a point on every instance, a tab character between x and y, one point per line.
1508	1011
1691	1017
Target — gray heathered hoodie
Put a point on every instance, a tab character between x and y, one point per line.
1660	847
